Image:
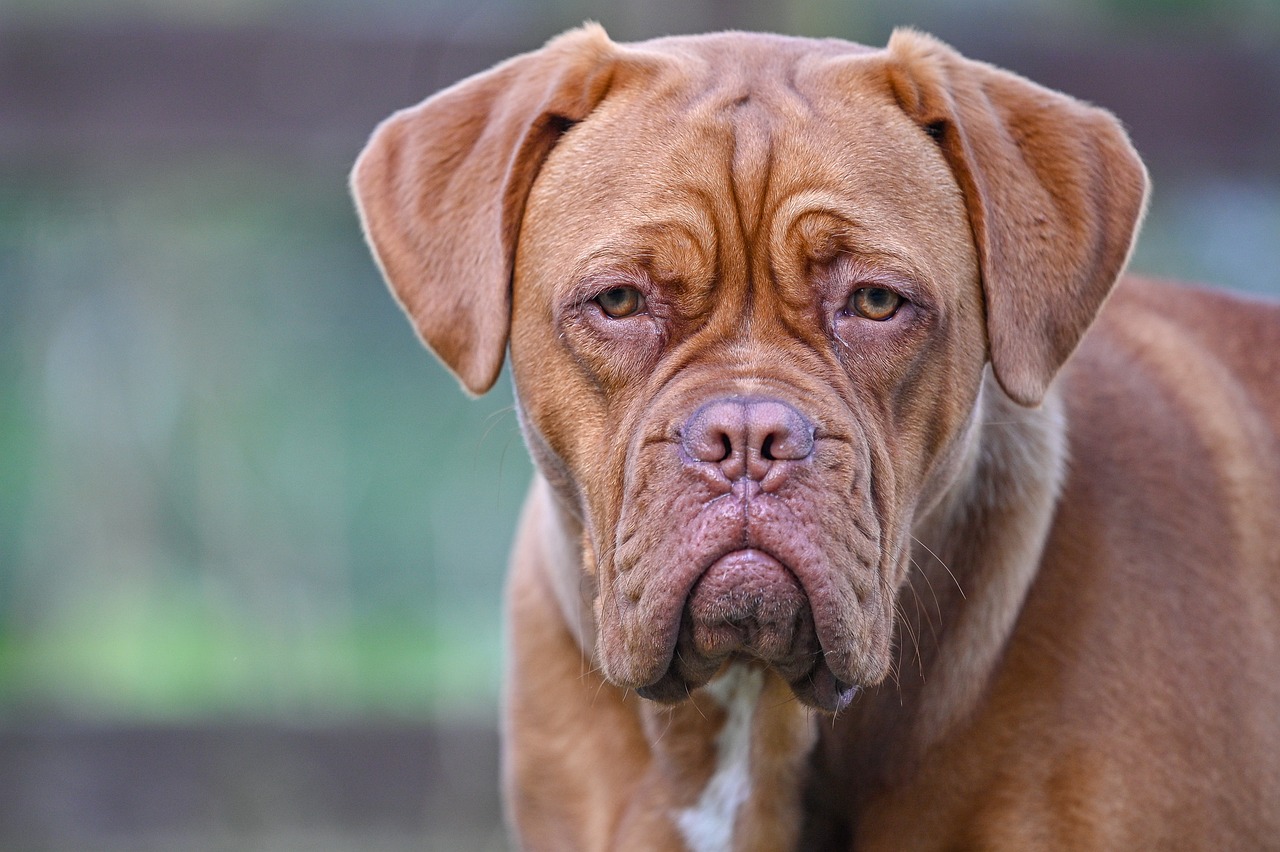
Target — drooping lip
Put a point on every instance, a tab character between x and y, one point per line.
819	687
751	602
651	627
808	673
827	537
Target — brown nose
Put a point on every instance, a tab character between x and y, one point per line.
746	436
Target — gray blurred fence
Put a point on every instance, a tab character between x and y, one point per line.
90	95
75	787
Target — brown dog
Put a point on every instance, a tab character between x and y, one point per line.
789	323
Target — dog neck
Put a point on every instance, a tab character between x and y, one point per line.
976	553
565	554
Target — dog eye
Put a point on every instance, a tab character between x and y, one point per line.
621	302
874	303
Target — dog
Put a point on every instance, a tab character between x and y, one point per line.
845	534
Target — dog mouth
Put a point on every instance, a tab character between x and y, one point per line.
749	606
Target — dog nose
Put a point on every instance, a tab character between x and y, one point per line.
745	436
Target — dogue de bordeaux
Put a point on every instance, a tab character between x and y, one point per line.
845	533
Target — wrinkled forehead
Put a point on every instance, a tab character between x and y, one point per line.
732	155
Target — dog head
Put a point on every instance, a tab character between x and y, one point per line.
750	286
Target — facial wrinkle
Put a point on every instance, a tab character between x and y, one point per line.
749	177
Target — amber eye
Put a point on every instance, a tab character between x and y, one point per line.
621	302
874	303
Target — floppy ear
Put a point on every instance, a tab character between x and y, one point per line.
441	189
1054	192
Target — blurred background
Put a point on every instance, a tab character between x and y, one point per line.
252	537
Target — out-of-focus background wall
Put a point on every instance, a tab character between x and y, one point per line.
252	537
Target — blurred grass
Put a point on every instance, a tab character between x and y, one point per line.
233	481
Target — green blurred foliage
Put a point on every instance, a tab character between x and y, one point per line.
233	480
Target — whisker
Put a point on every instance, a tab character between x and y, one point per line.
915	640
937	607
492	421
897	682
671	718
502	467
943	564
694	703
599	689
790	699
922	610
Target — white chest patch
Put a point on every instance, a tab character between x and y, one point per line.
708	825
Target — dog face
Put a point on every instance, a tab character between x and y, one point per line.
765	332
755	283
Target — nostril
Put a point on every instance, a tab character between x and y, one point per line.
745	436
777	432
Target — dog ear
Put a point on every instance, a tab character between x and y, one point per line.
1054	192
441	187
